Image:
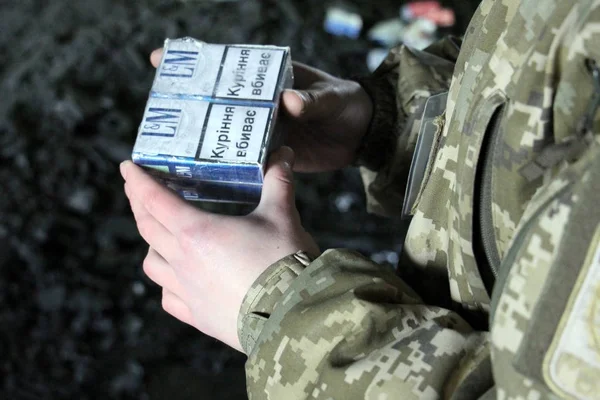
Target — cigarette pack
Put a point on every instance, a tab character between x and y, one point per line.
210	120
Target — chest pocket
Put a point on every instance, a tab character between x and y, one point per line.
546	303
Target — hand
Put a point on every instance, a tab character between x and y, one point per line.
206	262
325	118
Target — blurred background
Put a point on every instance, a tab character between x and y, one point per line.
78	318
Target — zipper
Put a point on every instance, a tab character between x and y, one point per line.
484	237
515	246
584	128
587	123
488	236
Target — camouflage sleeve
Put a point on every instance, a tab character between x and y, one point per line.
399	89
343	327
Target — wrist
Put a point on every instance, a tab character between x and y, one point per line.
264	295
365	105
378	141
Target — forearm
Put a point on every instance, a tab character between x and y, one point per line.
399	89
344	327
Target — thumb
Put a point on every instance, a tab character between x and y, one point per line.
308	104
278	185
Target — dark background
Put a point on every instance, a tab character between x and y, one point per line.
78	319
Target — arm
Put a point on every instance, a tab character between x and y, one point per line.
399	89
343	327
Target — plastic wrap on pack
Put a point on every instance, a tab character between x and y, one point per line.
210	121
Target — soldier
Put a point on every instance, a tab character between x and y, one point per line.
504	215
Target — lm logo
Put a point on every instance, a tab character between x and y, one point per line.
162	122
179	64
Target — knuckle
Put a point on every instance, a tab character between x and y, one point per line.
311	97
150	270
147	266
352	85
167	305
145	228
151	199
285	178
194	235
188	239
339	91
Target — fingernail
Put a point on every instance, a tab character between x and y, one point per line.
155	52
123	169
302	96
287	157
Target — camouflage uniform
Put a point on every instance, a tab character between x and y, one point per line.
508	202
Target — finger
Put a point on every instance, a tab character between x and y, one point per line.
278	186
160	272
173	305
164	205
313	104
156	56
293	103
152	231
305	75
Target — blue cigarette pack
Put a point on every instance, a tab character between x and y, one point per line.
210	120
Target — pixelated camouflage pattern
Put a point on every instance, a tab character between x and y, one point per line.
344	328
261	298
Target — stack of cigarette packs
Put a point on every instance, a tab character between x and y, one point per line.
210	120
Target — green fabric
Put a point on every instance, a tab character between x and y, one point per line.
342	327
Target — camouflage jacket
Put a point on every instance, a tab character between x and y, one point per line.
504	230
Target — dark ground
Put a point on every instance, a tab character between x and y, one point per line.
78	319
